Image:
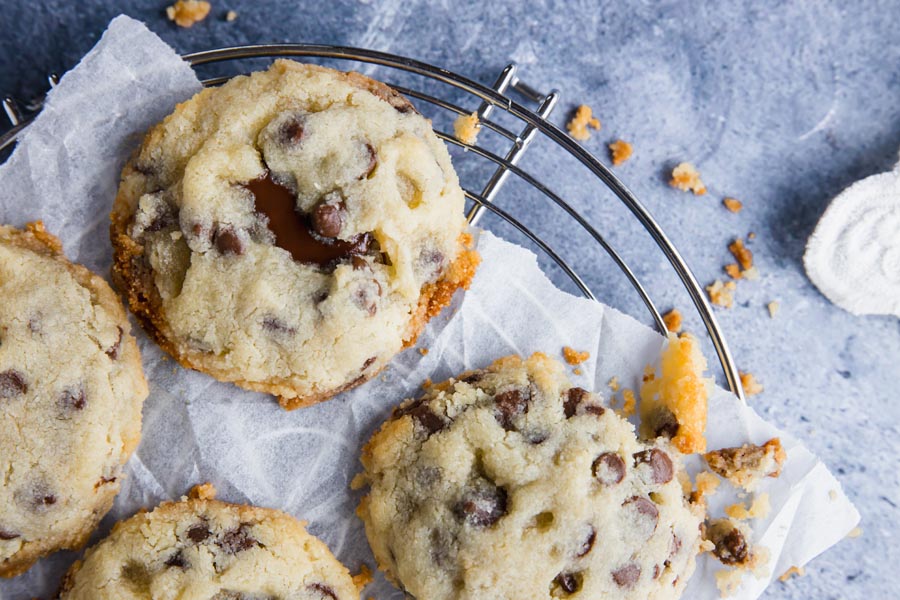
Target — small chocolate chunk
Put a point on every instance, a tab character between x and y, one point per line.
508	405
656	571
644	512
366	296
71	400
536	437
12	384
277	326
113	351
328	219
360	264
104	480
323	590
609	469
664	424
292	130
482	506
568	582
588	542
197	533
627	576
38	497
177	560
731	547
368	362
237	540
8	535
661	466
594	409
427	419
371	163
227	241
574	397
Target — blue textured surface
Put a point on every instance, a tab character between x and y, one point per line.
778	104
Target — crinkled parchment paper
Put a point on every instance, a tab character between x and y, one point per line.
65	171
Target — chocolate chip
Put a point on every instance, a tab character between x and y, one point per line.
104	480
661	466
366	296
227	241
71	400
276	325
645	514
594	409
368	362
568	582
536	437
113	351
627	576
427	419
8	535
508	405
588	542
482	506
198	533
574	397
609	469
328	219
473	377
292	130
237	540
324	591
177	560
12	384
373	160
664	424
39	497
359	263
731	546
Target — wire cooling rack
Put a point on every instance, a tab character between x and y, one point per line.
521	126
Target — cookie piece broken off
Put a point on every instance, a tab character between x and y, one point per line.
744	466
290	231
71	392
203	548
509	483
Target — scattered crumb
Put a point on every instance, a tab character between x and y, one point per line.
614	384
855	532
758	509
733	204
686	178
427	383
741	253
751	236
728	581
733	271
751	386
745	465
230	16
832	495
620	150
674	403
202	491
423	351
466	128
672	319
630	404
574	357
358	482
576	371
798	571
751	274
705	485
584	118
363	578
721	294
187	12
773	307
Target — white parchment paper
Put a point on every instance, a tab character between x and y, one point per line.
65	171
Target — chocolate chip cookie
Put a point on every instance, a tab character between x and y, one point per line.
290	231
71	392
209	550
509	483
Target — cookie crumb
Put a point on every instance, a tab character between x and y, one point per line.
613	384
751	236
793	571
773	307
363	578
744	466
187	12
583	118
231	15
620	151
423	351
733	271
758	509
751	386
466	128
577	371
685	177
733	204
672	319
751	274
203	491
574	357
705	484
721	294
741	253
358	482
630	404
855	532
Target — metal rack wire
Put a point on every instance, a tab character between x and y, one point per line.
533	123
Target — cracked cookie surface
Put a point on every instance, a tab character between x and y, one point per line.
510	483
199	549
71	392
290	231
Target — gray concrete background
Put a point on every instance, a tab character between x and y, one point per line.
779	104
